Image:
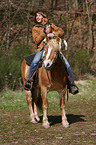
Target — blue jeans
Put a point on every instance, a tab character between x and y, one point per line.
68	67
36	60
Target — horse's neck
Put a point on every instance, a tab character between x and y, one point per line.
59	62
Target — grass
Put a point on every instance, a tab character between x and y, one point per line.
16	128
12	101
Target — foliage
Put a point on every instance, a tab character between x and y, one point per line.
80	62
10	66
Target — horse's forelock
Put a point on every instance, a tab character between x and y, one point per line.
53	43
52	46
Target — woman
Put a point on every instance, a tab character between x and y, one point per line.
39	34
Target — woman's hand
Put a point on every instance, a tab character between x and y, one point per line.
51	35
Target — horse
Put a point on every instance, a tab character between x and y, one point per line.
52	76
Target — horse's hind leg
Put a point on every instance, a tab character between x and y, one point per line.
35	113
29	101
62	105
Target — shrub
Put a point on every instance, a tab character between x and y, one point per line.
10	66
80	62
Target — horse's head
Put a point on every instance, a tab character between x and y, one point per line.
51	52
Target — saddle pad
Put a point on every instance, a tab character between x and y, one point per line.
29	59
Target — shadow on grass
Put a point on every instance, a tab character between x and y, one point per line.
70	117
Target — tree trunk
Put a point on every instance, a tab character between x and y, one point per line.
56	3
52	4
28	25
67	16
9	26
90	28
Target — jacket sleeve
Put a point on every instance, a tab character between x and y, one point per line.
38	34
57	30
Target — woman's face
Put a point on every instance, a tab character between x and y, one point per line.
39	18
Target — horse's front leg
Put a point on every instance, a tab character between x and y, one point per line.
45	106
62	105
29	101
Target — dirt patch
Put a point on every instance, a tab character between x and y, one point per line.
16	128
81	82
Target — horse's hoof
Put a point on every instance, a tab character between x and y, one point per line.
66	125
46	125
33	121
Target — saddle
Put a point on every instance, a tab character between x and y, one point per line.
29	59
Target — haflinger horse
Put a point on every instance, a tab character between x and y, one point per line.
52	76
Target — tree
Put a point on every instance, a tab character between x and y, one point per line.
90	27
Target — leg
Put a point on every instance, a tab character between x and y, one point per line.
45	106
34	64
72	86
29	101
35	112
62	105
68	67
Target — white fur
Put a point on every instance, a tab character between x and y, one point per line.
47	60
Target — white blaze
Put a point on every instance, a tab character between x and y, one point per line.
47	60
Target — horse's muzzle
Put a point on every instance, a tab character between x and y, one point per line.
47	64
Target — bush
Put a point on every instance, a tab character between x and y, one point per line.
10	66
80	62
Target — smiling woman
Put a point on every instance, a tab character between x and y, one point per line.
39	18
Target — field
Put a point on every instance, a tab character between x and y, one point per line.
16	128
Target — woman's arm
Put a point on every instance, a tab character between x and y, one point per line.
38	34
57	30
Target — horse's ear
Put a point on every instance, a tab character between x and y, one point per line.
58	39
47	38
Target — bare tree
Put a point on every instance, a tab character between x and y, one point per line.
9	26
67	16
90	27
28	26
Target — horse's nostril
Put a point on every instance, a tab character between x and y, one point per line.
48	64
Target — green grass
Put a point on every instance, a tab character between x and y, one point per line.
12	101
16	128
15	100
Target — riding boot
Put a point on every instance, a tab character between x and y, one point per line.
28	84
71	85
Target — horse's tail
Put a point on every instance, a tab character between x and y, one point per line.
39	101
36	96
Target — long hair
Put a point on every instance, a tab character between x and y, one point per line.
41	13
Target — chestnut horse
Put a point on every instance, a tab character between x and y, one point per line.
52	76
